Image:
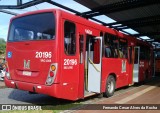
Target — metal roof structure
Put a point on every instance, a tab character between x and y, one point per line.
142	16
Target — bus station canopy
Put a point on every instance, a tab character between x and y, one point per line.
142	16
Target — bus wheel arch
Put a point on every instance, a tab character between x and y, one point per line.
110	85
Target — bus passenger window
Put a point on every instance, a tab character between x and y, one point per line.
144	53
69	38
136	56
81	44
96	51
110	46
130	55
123	52
107	49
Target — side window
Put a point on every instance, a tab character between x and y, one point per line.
110	46
144	53
69	38
123	52
136	56
130	54
96	51
81	45
157	54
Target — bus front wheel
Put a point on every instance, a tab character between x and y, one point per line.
110	86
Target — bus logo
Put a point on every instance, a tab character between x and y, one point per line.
26	64
9	54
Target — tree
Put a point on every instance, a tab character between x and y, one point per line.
2	46
2	41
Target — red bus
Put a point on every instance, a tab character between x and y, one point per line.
157	61
66	56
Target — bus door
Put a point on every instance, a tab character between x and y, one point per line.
81	65
136	64
94	64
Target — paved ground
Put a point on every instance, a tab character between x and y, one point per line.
2	84
15	96
147	95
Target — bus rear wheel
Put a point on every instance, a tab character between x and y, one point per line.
110	86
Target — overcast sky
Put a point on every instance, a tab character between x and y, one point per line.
5	18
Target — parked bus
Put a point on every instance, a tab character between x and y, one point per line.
157	61
66	56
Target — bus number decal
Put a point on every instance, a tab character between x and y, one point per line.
43	55
70	62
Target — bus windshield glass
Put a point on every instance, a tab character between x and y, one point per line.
33	27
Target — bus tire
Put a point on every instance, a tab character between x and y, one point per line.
110	86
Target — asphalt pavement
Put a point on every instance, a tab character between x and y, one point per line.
2	84
15	96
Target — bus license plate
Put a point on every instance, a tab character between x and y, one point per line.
27	73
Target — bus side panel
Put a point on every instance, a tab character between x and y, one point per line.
114	66
144	70
130	75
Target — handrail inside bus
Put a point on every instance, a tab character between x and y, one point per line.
93	64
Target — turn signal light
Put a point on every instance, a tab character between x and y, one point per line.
53	67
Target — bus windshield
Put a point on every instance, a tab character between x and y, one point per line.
33	27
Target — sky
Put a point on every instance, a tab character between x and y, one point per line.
5	18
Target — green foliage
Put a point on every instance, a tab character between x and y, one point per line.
2	46
2	41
